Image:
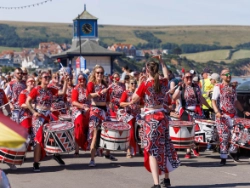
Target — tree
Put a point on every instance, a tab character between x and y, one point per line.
147	55
177	51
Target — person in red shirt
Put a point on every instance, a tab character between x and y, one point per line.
159	153
42	95
97	91
25	115
80	112
132	111
69	90
115	92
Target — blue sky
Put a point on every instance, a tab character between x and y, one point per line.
134	12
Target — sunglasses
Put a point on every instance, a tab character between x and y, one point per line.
25	74
81	79
188	77
227	74
99	73
133	83
46	77
31	81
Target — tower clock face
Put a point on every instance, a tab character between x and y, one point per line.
87	28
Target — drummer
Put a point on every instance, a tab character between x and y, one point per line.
58	105
70	88
25	115
80	112
224	101
190	104
132	110
43	98
115	92
97	91
158	158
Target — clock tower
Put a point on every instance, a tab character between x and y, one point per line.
85	28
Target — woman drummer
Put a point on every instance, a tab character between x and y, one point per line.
132	110
42	95
80	112
115	92
97	91
25	114
191	100
159	153
58	105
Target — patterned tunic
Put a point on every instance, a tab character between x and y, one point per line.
15	90
58	100
79	95
133	109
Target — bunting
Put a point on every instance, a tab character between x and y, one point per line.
26	6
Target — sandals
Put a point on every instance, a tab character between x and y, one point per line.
129	156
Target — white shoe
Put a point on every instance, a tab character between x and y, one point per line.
92	163
12	166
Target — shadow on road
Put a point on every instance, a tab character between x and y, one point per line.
29	170
214	185
86	167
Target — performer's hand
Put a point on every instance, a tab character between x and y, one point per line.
247	113
218	115
36	114
104	91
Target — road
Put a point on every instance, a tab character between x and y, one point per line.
124	173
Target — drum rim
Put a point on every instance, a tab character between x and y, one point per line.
183	123
108	128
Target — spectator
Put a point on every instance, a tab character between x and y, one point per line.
205	87
125	72
126	81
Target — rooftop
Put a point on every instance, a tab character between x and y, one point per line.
86	15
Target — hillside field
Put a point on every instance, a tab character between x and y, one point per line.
211	35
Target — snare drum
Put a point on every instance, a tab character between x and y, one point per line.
205	131
59	137
241	132
139	132
115	135
181	133
65	117
14	156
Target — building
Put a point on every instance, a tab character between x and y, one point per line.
127	49
85	44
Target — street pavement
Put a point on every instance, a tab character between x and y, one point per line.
196	172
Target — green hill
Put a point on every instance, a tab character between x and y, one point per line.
109	34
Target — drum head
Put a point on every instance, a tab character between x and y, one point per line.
59	126
115	125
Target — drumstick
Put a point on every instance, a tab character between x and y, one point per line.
5	105
58	109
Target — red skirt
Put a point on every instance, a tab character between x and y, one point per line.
157	143
81	130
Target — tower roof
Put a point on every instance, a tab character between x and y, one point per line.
86	15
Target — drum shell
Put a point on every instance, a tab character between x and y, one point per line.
115	140
205	131
181	134
59	141
14	156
